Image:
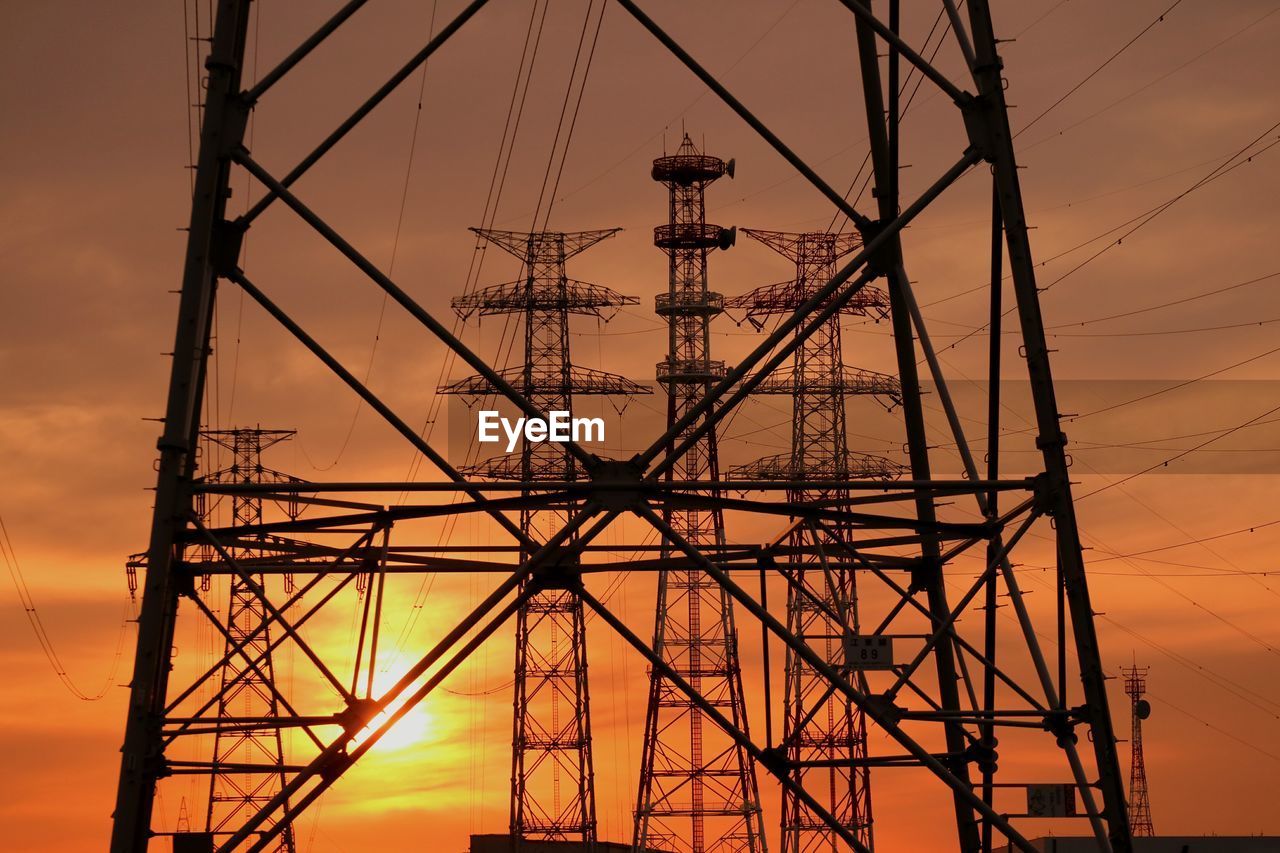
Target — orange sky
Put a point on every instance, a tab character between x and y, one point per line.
94	190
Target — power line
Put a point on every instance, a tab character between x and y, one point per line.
1022	32
1161	332
1214	292
573	122
1165	463
1250	744
1240	691
395	248
1112	58
1200	540
1226	159
1201	55
507	337
42	634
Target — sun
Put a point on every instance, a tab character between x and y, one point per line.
416	727
413	729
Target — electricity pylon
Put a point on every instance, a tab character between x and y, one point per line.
935	713
1135	685
824	735
698	789
551	744
247	741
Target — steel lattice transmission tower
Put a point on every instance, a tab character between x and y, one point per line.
698	789
1135	686
935	714
552	775
824	736
248	699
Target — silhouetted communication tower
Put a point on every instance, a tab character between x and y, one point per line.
1135	685
925	681
824	735
552	777
698	788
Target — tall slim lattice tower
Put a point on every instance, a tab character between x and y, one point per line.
1135	685
697	786
824	736
248	700
552	779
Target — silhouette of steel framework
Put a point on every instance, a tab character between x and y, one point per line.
247	706
552	725
824	735
941	719
698	789
1135	685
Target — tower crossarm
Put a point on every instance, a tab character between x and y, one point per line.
848	380
854	466
511	467
575	381
513	297
807	246
544	245
787	296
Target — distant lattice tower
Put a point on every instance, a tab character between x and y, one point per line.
824	737
698	788
248	698
1135	685
551	748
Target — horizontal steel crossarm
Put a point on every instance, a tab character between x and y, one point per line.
363	110
522	244
946	529
784	467
514	297
390	515
507	467
785	297
799	245
660	664
961	486
398	564
814	660
314	556
850	381
874	761
188	727
372	399
580	381
371	271
274	722
206	767
819	308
